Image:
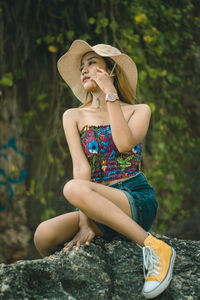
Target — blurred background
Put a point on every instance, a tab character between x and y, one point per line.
162	37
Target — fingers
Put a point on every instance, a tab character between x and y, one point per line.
94	82
90	237
100	77
79	239
69	246
101	70
78	244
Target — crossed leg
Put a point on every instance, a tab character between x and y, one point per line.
51	235
101	203
105	205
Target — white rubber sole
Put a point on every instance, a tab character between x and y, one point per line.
164	284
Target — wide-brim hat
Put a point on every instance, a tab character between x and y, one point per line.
69	65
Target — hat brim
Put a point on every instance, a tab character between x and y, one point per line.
69	66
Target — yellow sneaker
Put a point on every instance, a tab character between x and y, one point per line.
158	262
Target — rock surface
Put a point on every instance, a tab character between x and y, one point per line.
105	270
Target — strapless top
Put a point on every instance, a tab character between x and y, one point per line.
106	162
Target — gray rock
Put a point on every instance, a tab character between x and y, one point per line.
104	270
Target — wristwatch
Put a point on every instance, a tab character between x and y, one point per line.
111	97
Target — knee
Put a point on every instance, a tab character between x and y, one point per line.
43	237
70	189
74	190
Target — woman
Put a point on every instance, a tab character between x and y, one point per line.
104	137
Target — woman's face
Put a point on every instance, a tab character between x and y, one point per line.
88	68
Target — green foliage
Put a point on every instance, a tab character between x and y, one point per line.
48	213
7	80
161	37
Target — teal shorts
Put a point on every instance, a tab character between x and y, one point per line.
142	201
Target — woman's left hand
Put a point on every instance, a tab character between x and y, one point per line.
84	235
104	81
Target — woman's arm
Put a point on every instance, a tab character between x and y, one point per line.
81	170
81	167
127	135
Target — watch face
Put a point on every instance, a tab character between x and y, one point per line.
111	97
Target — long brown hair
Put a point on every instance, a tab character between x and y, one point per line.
124	90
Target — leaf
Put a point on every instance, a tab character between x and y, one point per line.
43	201
104	22
152	106
49	39
52	49
49	213
39	41
70	34
142	75
91	20
114	25
60	38
7	79
41	96
43	105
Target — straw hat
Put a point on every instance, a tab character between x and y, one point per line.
69	65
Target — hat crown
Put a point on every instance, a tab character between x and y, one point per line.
106	50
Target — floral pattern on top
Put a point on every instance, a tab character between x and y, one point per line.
106	162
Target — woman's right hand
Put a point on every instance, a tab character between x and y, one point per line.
104	81
84	235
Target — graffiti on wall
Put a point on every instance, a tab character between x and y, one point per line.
9	178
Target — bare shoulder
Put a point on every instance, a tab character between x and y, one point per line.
130	109
143	106
71	115
134	107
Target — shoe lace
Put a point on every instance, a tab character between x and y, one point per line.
151	262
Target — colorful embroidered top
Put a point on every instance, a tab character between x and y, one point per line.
106	162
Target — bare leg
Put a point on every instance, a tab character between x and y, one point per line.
105	205
51	235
